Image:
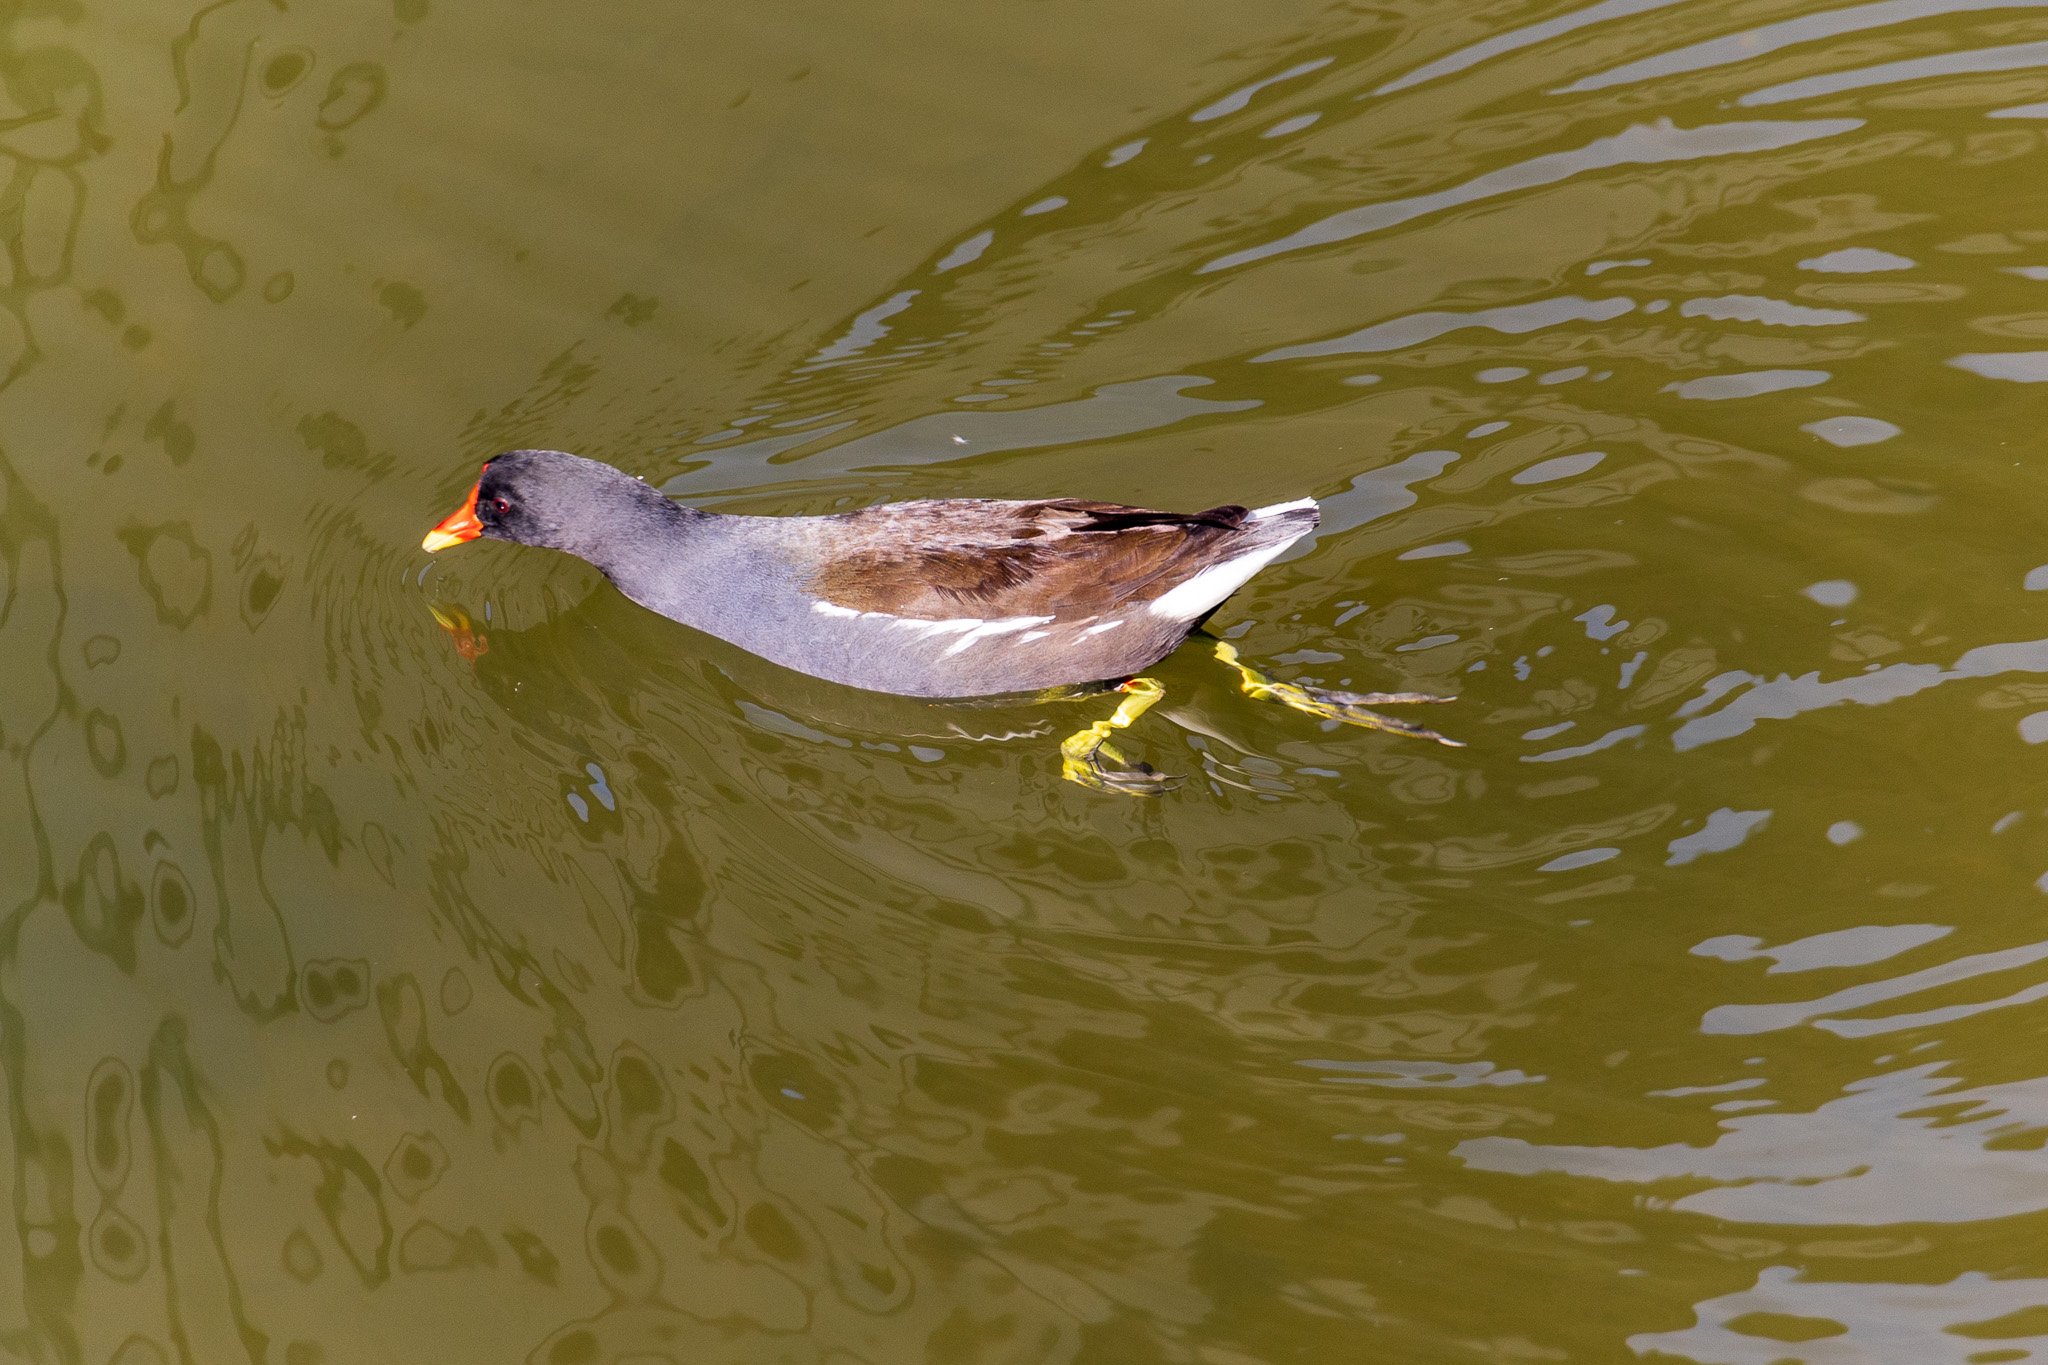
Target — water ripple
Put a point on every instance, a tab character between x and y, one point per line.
1642	145
1976	61
1763	39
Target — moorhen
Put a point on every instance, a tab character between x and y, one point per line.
953	597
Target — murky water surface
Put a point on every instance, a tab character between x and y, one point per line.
572	989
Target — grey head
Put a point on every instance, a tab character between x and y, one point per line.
560	501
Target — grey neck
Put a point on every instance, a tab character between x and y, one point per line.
641	540
686	564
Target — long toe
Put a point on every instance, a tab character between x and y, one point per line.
1098	772
1387	698
1373	720
1140	779
1352	708
1355	708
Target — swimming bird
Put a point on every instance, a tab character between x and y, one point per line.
950	597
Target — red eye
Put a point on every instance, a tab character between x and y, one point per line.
500	506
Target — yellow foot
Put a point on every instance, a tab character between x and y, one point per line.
1353	708
1088	757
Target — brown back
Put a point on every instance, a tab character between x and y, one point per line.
1065	558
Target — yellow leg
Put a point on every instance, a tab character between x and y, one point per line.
1082	754
1349	707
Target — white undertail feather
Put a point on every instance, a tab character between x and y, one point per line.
1186	601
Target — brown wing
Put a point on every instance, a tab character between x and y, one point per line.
1065	558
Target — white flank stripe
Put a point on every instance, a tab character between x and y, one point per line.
957	625
1260	513
1188	600
1002	627
1106	625
970	629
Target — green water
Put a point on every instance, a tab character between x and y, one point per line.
577	990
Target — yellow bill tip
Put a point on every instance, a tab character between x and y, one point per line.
458	526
